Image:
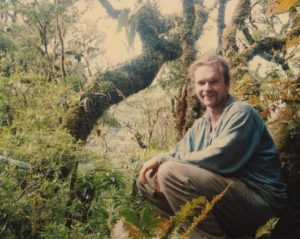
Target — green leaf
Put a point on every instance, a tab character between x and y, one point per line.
102	213
131	217
148	217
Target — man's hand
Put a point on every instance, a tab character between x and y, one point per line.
151	164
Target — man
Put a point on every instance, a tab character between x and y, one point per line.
228	145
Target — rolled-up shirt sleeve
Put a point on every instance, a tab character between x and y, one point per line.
186	144
229	151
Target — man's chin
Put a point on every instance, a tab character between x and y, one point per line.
210	104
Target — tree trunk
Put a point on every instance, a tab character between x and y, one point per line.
195	16
221	21
62	50
110	88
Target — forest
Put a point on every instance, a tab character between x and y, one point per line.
76	128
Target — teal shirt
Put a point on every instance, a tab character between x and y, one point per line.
239	146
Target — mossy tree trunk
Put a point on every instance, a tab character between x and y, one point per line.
195	16
221	21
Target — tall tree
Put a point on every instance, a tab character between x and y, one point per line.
162	42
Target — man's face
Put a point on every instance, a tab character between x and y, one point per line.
210	87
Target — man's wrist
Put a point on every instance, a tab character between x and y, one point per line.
164	157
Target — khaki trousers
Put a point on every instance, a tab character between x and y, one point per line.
240	212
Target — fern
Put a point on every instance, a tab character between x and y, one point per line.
266	230
188	208
140	225
185	212
207	208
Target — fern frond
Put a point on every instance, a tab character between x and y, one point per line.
165	229
181	216
134	232
188	208
207	208
266	229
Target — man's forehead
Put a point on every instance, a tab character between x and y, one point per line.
207	70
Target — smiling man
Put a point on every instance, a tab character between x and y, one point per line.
229	145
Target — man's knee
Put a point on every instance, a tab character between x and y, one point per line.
190	176
147	188
172	175
167	170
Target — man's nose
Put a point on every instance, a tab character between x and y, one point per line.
207	86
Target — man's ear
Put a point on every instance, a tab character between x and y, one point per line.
228	85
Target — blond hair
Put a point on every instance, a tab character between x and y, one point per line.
210	59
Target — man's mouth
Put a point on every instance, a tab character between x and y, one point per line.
208	96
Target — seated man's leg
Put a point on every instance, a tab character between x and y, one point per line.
160	203
240	211
243	210
181	182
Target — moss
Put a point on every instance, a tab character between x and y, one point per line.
242	12
247	88
121	82
229	43
201	18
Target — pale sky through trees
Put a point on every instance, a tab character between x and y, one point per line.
115	43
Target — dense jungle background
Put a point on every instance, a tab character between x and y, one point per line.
79	115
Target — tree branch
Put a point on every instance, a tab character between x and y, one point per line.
113	13
265	46
201	16
121	82
221	21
